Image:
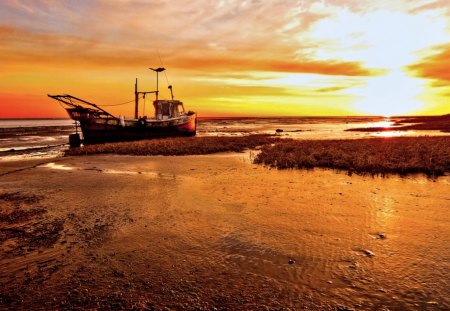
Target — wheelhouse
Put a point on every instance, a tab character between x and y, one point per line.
168	109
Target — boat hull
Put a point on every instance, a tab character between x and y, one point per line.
113	130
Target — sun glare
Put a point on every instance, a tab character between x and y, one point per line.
385	41
388	95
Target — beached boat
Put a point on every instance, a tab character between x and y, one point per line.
99	126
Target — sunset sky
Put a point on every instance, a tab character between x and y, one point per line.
228	58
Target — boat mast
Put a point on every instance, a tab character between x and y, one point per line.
136	99
157	70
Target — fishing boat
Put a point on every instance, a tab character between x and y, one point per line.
99	126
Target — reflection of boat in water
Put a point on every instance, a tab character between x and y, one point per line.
98	125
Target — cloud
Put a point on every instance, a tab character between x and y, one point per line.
242	63
436	66
20	6
432	5
31	48
332	89
259	27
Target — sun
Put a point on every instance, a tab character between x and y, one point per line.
389	95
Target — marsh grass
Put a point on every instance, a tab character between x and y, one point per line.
400	155
374	156
178	146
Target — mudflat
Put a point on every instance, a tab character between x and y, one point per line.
216	231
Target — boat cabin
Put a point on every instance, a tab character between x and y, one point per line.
168	109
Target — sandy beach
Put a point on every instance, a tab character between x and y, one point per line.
216	231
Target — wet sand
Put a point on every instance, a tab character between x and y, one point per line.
215	231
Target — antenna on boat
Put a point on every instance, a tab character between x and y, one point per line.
157	70
171	93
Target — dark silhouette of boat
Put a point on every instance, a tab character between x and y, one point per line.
99	126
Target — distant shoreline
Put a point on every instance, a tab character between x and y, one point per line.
266	117
41	119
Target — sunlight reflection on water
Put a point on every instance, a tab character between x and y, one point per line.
395	134
55	166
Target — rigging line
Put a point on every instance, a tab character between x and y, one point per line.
143	110
162	65
117	104
61	104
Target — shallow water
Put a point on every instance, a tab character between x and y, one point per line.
25	139
306	128
28	139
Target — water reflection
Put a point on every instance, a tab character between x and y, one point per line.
383	210
55	166
395	134
386	124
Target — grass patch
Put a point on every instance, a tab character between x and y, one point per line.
374	156
178	146
400	155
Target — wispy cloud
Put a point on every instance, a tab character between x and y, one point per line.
436	66
428	5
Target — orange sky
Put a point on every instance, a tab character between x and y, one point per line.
228	58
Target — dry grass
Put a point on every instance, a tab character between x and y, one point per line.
178	146
401	155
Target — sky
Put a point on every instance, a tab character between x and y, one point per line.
227	57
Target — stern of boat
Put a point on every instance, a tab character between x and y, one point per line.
189	128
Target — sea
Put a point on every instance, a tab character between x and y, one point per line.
46	138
